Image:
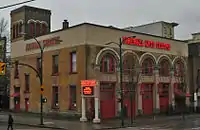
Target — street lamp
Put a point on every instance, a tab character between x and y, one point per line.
41	77
121	41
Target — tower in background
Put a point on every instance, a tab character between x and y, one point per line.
30	20
161	28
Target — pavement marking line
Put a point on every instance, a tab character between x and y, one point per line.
197	128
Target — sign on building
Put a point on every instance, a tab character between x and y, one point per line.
88	88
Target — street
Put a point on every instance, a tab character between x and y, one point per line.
3	126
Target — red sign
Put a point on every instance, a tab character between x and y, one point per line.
45	43
88	90
91	83
146	43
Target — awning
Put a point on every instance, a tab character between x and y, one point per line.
15	95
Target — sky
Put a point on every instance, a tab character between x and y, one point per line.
120	13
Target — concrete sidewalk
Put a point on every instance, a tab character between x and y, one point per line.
70	125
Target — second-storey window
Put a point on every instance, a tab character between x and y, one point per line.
37	29
14	28
107	63
55	64
73	65
27	82
164	68
32	29
179	69
147	67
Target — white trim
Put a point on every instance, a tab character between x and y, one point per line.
44	22
31	20
160	59
105	49
37	21
132	52
146	54
18	21
181	58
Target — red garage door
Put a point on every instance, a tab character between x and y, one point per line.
164	97
147	99
107	102
129	92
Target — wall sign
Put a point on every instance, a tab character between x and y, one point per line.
46	43
88	88
146	43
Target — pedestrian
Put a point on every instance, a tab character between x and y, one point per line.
10	122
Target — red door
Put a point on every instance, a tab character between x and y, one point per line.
107	102
17	104
164	97
26	105
128	94
147	99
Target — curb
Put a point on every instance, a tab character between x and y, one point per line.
42	126
118	127
37	125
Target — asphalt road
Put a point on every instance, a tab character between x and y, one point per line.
18	127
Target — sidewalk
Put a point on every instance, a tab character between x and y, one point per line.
70	125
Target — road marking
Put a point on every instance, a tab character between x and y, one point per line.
197	128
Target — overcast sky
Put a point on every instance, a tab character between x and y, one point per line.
120	13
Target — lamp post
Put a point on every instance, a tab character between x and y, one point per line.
41	78
121	41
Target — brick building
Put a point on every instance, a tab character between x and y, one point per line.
160	63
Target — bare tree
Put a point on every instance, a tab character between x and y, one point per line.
3	27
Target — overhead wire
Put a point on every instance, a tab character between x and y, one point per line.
11	5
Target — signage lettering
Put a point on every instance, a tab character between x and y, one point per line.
46	43
146	43
88	90
91	83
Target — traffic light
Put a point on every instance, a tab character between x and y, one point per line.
2	68
42	89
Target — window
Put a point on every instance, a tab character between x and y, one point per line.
164	68
72	105
55	64
129	64
55	97
147	67
38	64
27	82
32	29
73	62
13	31
44	29
37	29
20	27
107	64
17	30
178	69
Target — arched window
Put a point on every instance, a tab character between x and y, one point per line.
164	68
179	68
38	29
20	27
44	29
14	27
32	29
17	30
107	63
129	64
147	67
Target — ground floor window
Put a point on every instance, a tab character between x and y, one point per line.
55	97
72	97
